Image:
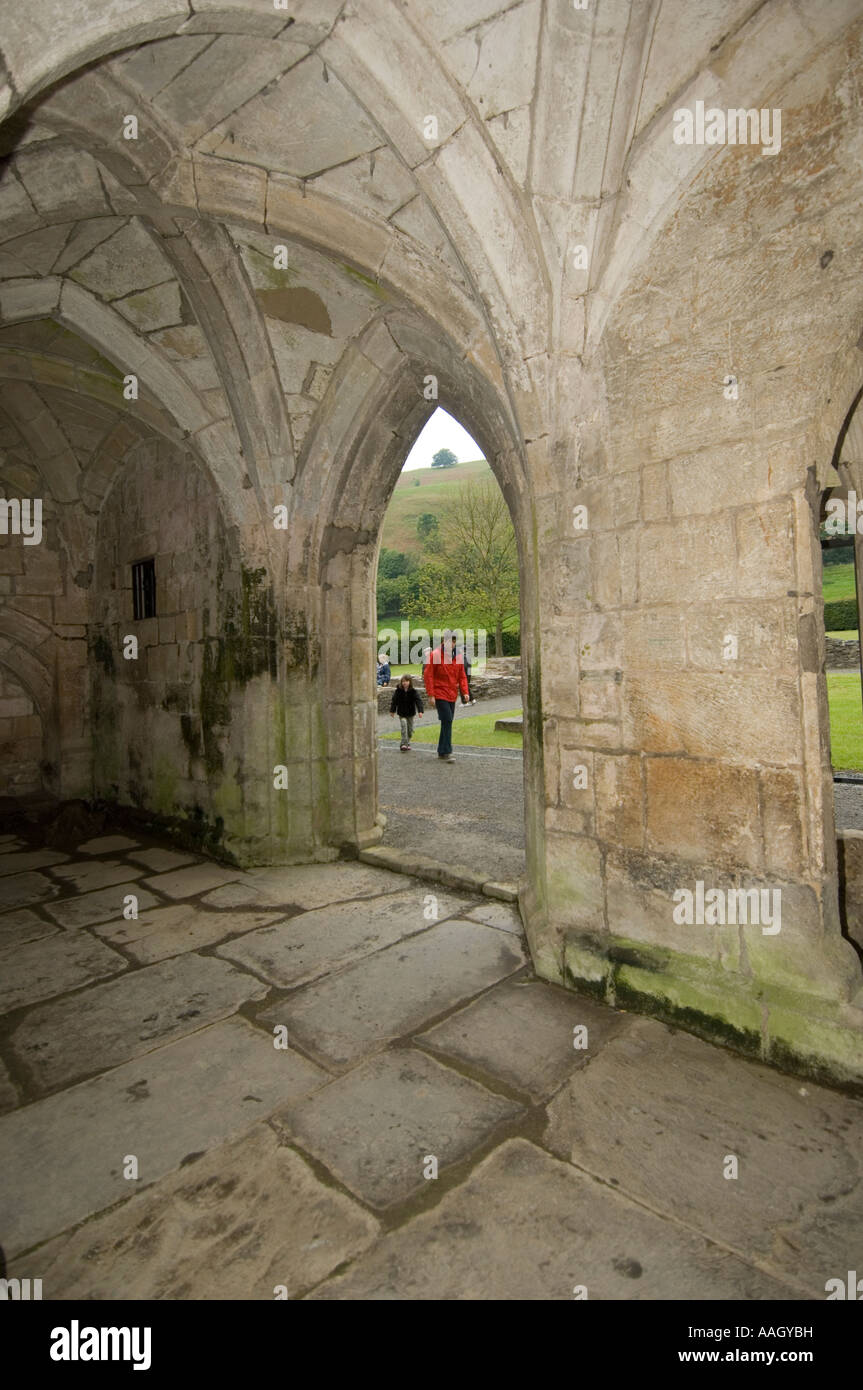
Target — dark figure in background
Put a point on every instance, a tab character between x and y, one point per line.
460	652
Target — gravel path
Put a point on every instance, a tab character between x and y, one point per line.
470	812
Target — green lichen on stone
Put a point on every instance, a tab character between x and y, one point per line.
264	268
370	284
733	1020
246	647
822	1048
164	787
228	799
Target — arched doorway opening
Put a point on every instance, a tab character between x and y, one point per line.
332	579
448	561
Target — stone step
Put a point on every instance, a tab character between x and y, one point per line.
510	726
417	865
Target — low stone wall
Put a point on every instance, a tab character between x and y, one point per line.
842	656
482	687
503	666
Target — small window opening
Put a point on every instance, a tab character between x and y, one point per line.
144	589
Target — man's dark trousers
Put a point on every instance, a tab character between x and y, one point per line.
445	713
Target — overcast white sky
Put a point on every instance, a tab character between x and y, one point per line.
442	432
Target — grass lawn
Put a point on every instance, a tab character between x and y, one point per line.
476	732
848	635
846	722
838	582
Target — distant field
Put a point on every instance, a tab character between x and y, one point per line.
436	486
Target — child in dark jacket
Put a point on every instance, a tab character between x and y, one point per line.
406	703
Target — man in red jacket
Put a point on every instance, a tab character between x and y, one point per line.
443	678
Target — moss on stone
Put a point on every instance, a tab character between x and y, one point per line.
733	1020
247	647
164	786
228	799
263	265
366	280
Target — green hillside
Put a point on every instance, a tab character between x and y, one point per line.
436	486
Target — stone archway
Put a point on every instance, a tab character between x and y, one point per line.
333	555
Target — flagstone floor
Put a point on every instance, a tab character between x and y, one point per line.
338	1082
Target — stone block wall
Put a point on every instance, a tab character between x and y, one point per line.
842	655
169	731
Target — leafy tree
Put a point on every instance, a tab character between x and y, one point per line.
444	458
427	523
392	563
397	582
389	598
471	576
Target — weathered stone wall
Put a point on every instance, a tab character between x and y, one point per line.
168	726
685	673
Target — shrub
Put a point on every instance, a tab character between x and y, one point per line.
512	643
840	615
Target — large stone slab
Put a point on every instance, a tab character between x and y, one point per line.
172	931
39	969
64	1041
108	844
20	862
522	1033
23	925
247	1217
188	883
375	1127
23	890
396	990
64	1156
306	886
659	1113
314	943
89	909
159	861
527	1227
86	875
504	916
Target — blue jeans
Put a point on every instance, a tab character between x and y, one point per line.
445	713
